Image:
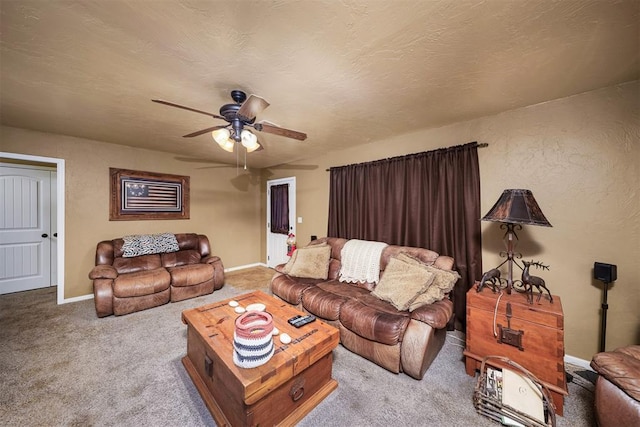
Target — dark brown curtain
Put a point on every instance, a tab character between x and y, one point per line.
280	209
429	200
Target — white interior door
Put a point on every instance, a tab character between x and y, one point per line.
276	242
25	229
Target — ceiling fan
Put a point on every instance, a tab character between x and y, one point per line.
238	116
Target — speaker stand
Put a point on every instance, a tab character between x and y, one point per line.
605	306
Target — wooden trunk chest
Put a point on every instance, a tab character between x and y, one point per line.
531	335
295	380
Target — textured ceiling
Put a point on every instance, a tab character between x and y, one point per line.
345	72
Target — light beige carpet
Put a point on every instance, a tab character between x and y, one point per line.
61	365
251	278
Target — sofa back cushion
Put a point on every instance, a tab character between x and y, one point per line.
139	263
426	256
184	257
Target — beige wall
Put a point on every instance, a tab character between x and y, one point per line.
224	206
580	156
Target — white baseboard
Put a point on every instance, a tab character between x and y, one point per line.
578	362
242	267
76	299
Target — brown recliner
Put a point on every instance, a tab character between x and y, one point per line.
617	391
124	285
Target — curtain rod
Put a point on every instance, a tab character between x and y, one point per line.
477	145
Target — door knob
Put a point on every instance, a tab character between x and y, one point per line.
45	235
55	234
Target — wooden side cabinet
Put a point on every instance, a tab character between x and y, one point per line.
531	335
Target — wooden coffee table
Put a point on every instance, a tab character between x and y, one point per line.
280	392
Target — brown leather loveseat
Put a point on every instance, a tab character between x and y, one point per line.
617	391
150	270
399	340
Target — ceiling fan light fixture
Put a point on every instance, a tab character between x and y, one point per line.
249	141
228	145
221	136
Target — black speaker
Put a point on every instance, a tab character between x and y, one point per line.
606	273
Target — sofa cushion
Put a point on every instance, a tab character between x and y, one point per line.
311	262
141	283
326	298
189	275
184	257
402	282
290	289
385	326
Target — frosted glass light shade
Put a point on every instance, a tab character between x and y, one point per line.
228	145
249	141
221	135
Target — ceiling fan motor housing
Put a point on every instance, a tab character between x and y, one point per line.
238	96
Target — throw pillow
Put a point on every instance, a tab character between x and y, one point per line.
310	262
148	244
402	282
443	283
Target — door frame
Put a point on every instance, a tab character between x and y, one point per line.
60	212
292	208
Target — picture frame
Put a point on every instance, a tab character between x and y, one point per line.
140	195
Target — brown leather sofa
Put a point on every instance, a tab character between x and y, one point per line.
617	390
123	285
399	341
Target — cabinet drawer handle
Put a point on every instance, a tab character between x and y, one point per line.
297	390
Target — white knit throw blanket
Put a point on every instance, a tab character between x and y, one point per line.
360	261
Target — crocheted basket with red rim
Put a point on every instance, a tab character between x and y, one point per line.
253	339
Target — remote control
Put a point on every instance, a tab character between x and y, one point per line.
304	320
294	319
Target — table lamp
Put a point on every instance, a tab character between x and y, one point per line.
514	208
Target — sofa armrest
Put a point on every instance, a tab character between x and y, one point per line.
103	296
103	272
218	270
621	367
436	315
210	259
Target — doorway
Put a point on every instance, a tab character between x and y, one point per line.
277	241
35	246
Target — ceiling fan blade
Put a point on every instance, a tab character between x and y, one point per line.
252	107
203	131
171	104
266	127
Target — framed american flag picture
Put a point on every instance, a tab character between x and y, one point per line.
138	195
